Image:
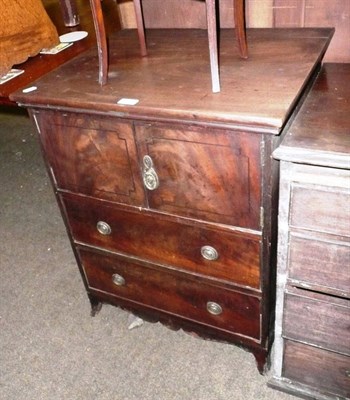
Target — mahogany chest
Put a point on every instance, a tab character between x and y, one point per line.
169	191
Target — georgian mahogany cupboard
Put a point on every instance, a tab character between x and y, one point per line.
169	191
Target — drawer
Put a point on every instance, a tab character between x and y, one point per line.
221	254
209	174
92	155
320	209
317	319
321	263
172	292
317	368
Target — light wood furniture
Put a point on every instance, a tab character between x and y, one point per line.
169	191
211	10
312	336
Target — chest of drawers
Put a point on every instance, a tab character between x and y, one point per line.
170	204
312	343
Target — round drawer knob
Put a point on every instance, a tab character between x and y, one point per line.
118	280
209	253
103	228
214	308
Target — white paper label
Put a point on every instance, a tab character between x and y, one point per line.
127	102
30	89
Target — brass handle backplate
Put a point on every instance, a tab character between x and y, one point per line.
103	228
209	253
118	280
214	308
149	174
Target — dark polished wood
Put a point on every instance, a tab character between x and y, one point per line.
172	292
175	86
102	49
140	27
171	241
211	12
70	12
241	37
170	203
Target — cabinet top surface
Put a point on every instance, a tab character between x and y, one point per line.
320	133
173	81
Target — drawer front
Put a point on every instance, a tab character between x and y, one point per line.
317	368
319	320
321	209
321	263
216	253
173	293
92	155
204	173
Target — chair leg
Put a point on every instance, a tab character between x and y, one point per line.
101	40
213	45
140	27
69	12
238	6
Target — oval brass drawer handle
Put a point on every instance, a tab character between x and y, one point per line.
103	228
214	308
209	253
118	280
149	174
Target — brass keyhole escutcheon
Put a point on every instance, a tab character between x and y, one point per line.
149	174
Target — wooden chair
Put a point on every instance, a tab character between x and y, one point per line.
69	12
239	19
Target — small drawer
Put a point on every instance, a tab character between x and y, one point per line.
323	210
172	292
320	263
317	319
317	368
221	254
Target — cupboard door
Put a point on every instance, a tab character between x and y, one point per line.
92	155
209	174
